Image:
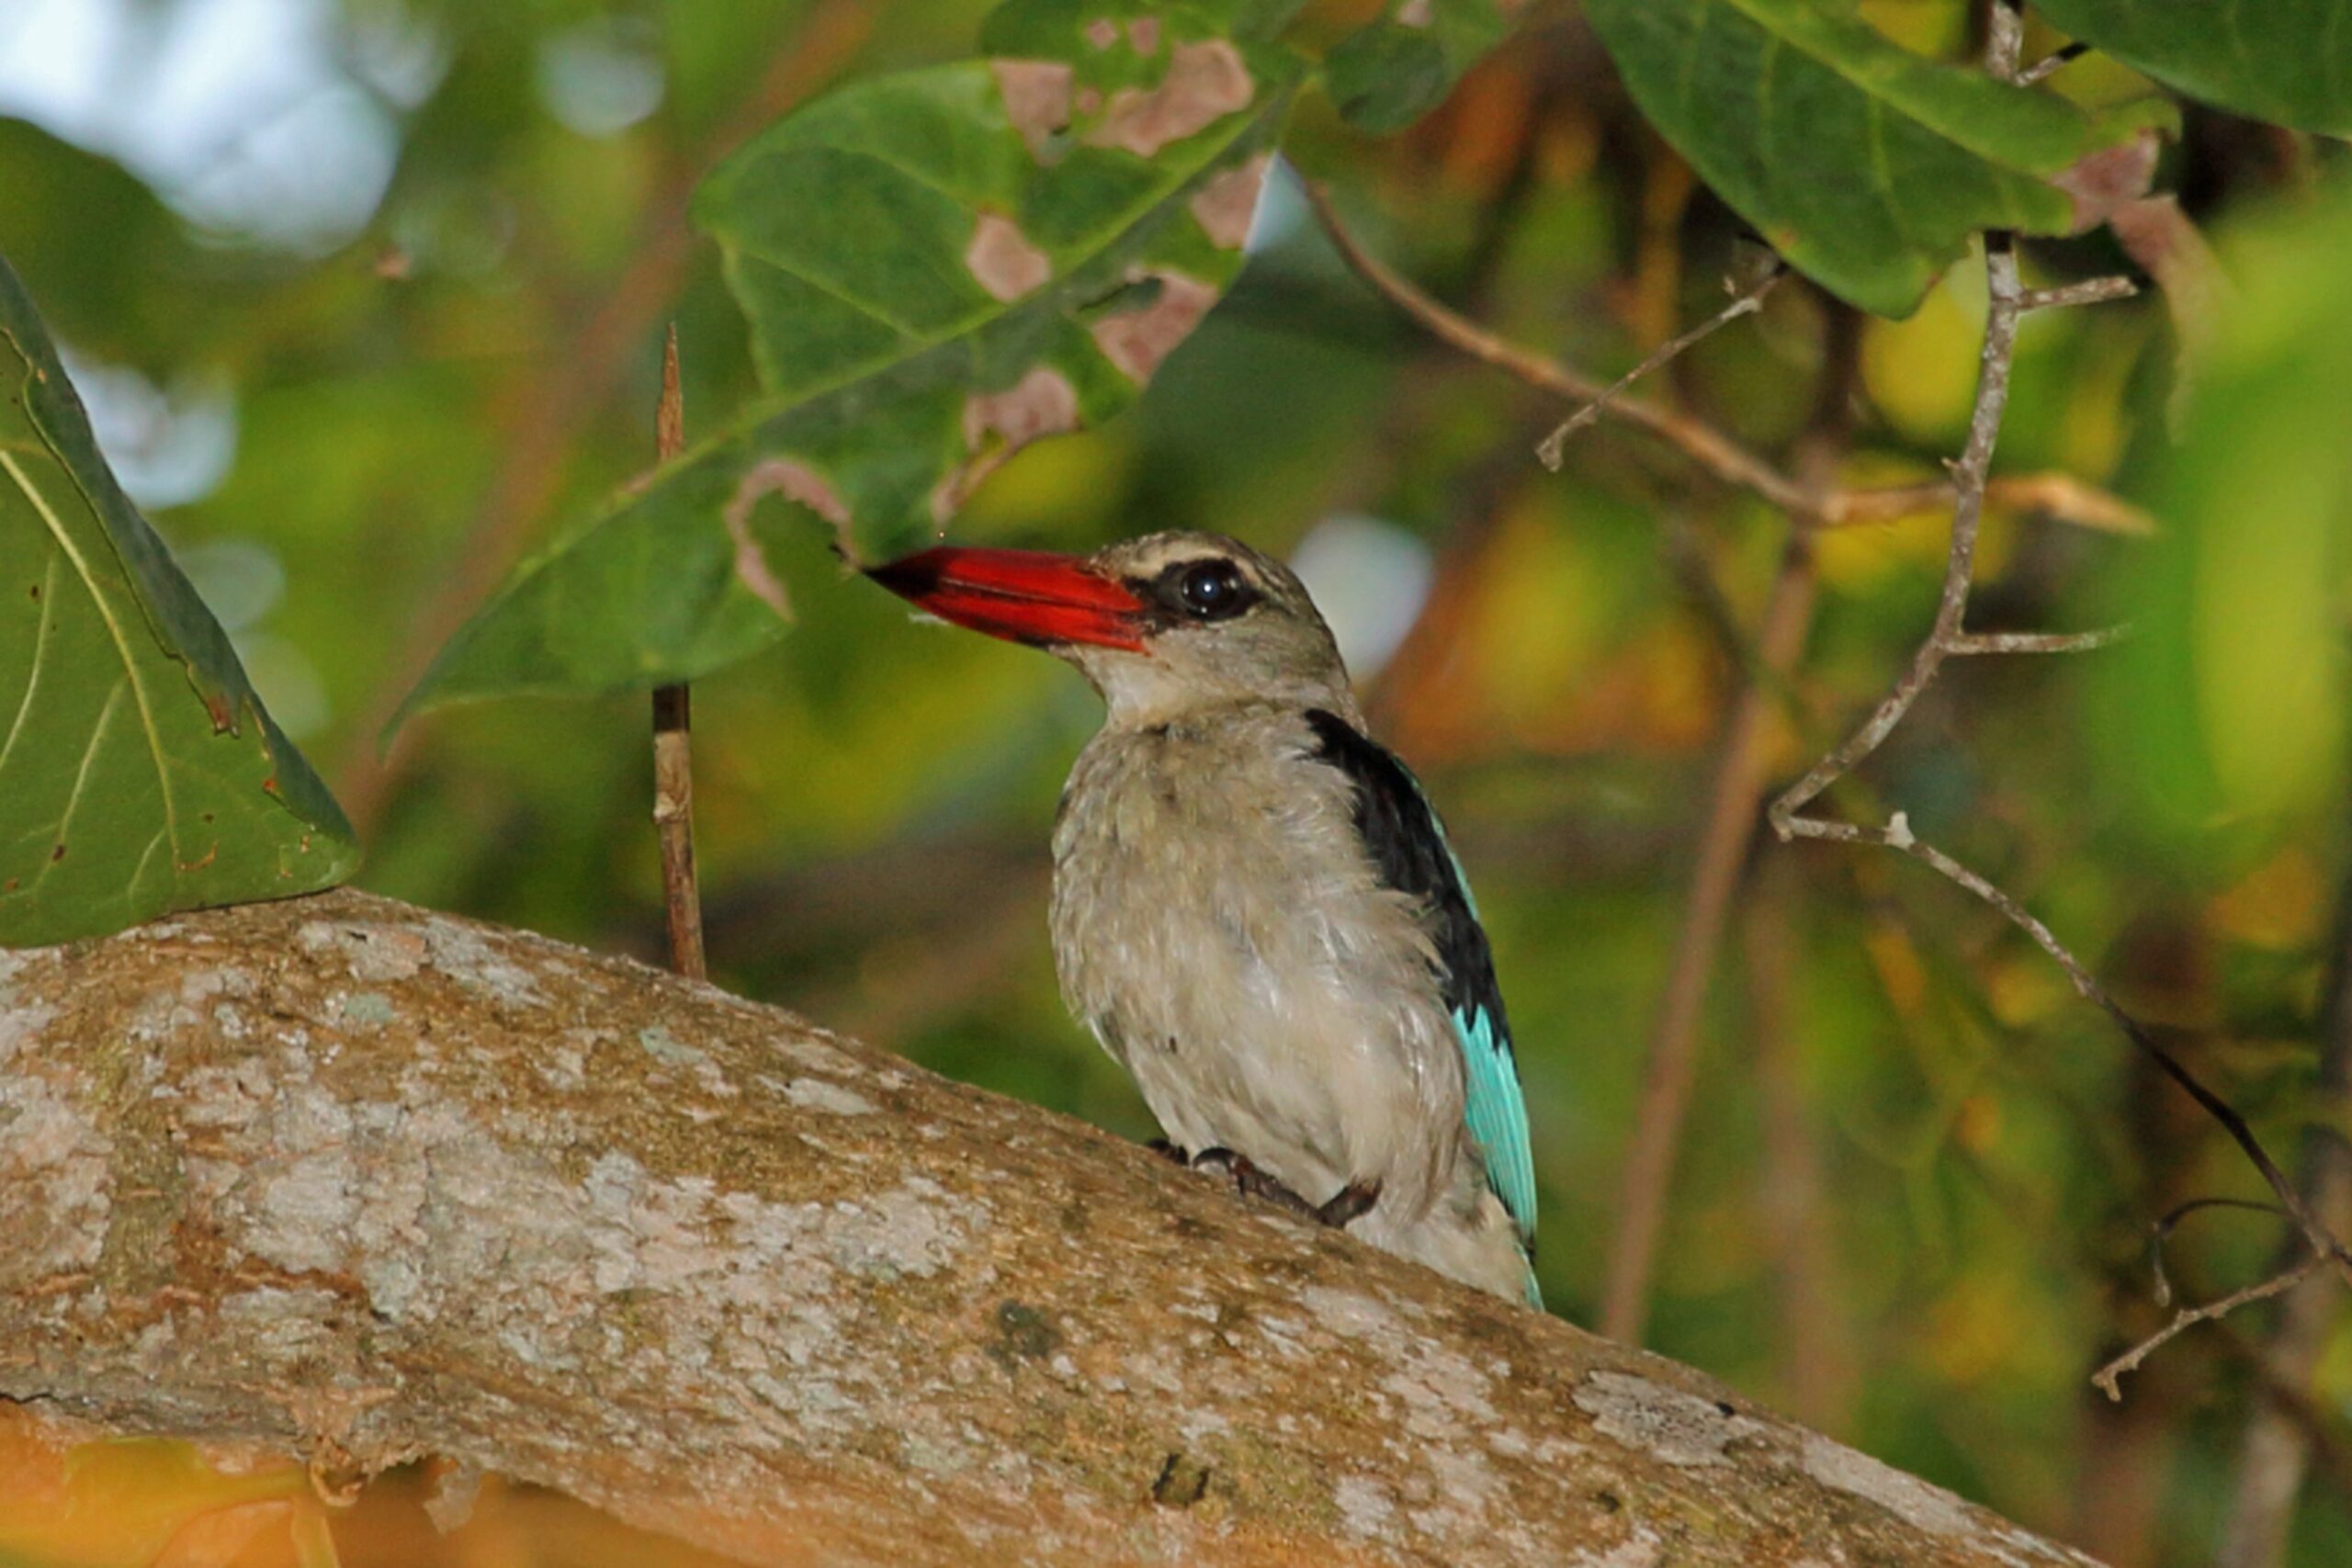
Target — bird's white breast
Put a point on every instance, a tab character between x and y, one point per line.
1218	925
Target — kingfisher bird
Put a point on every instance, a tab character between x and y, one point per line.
1255	910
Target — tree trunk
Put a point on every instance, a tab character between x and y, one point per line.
346	1180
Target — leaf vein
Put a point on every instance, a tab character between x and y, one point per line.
123	645
41	657
82	773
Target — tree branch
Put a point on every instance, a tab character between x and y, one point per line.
2061	496
341	1180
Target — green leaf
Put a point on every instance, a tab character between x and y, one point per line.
1864	164
1387	75
2285	60
140	772
938	267
2228	710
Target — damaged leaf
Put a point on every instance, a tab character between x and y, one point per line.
938	267
139	772
1866	165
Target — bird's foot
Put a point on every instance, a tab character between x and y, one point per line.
1349	1202
1168	1151
1252	1182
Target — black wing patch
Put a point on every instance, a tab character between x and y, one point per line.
1409	848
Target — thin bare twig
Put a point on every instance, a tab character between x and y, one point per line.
2108	1380
1968	510
2061	496
1977	643
674	762
2089	291
1553	447
2049	64
1897	835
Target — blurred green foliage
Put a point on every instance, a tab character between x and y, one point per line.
2235	699
1911	1204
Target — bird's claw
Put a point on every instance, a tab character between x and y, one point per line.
1352	1202
1349	1202
1167	1150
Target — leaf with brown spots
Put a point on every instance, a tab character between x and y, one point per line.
938	267
139	772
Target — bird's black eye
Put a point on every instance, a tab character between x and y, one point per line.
1207	590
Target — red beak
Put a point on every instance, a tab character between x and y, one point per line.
1032	596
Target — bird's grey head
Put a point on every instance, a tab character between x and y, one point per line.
1164	625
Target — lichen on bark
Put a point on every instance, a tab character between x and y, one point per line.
339	1177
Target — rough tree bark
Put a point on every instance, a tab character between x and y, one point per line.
347	1181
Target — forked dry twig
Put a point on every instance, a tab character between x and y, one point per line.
2108	1380
1718	454
1745	302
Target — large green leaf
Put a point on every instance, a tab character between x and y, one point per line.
1389	74
139	773
2287	61
1864	164
938	267
2229	708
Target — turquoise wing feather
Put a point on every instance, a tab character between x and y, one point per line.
1498	1113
